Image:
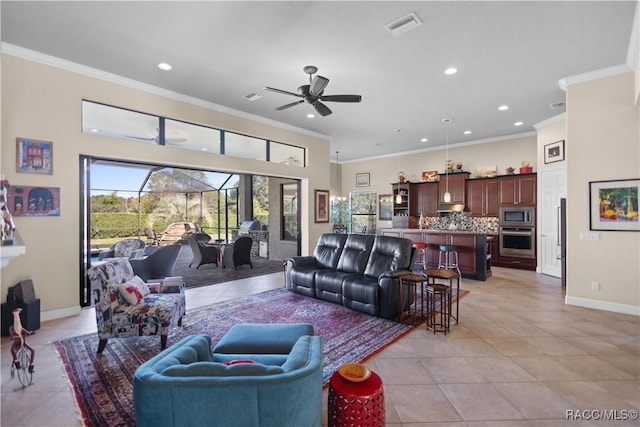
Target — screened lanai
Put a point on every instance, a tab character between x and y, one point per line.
159	196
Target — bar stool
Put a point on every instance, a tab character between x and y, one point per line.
450	255
421	253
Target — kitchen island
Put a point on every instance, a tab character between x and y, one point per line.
474	248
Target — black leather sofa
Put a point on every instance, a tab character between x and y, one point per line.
355	270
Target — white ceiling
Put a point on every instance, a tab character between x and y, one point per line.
510	53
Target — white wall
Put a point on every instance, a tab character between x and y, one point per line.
603	134
45	104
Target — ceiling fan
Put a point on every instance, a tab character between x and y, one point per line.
156	139
313	93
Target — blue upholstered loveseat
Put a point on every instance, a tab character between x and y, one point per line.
356	270
189	385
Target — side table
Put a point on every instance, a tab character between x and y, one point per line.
411	282
355	404
439	273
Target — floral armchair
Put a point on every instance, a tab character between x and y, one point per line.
128	248
123	309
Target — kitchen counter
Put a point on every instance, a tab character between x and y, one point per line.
474	248
436	231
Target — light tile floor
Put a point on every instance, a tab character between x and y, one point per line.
520	357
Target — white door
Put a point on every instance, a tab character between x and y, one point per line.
553	187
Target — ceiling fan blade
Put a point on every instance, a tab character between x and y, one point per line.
293	104
318	84
284	92
141	138
175	141
322	109
341	98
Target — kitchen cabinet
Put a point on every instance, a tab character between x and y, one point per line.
424	199
517	190
457	187
482	197
402	208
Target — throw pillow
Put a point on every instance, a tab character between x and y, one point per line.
130	293
140	284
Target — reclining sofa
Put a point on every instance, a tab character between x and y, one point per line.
258	375
356	270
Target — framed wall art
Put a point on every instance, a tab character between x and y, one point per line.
34	201
33	156
321	211
362	179
554	152
614	205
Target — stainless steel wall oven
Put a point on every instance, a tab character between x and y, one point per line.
518	242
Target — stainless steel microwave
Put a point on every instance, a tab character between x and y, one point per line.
520	216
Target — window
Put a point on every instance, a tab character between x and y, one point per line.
245	146
192	137
289	211
287	154
363	212
99	119
121	123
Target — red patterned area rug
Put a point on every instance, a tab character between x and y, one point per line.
103	385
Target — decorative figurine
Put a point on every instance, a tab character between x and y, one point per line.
17	333
8	225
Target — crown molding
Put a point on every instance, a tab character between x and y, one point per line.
634	42
593	75
550	121
63	64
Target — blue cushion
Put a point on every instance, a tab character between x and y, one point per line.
262	338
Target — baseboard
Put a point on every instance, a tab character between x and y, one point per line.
59	313
603	305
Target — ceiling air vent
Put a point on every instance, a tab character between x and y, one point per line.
404	24
252	96
558	105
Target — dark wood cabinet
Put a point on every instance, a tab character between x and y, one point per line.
424	199
457	187
517	190
482	197
402	208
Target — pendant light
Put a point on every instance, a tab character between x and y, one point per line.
398	195
447	196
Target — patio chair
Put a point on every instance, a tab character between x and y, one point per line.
202	253
152	236
239	253
158	265
127	248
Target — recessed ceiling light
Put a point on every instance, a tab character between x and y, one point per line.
424	140
451	70
204	148
398	130
94	130
164	66
467	132
310	116
518	123
503	107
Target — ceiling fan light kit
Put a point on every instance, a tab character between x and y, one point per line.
313	93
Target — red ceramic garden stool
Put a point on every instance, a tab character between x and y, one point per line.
355	404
